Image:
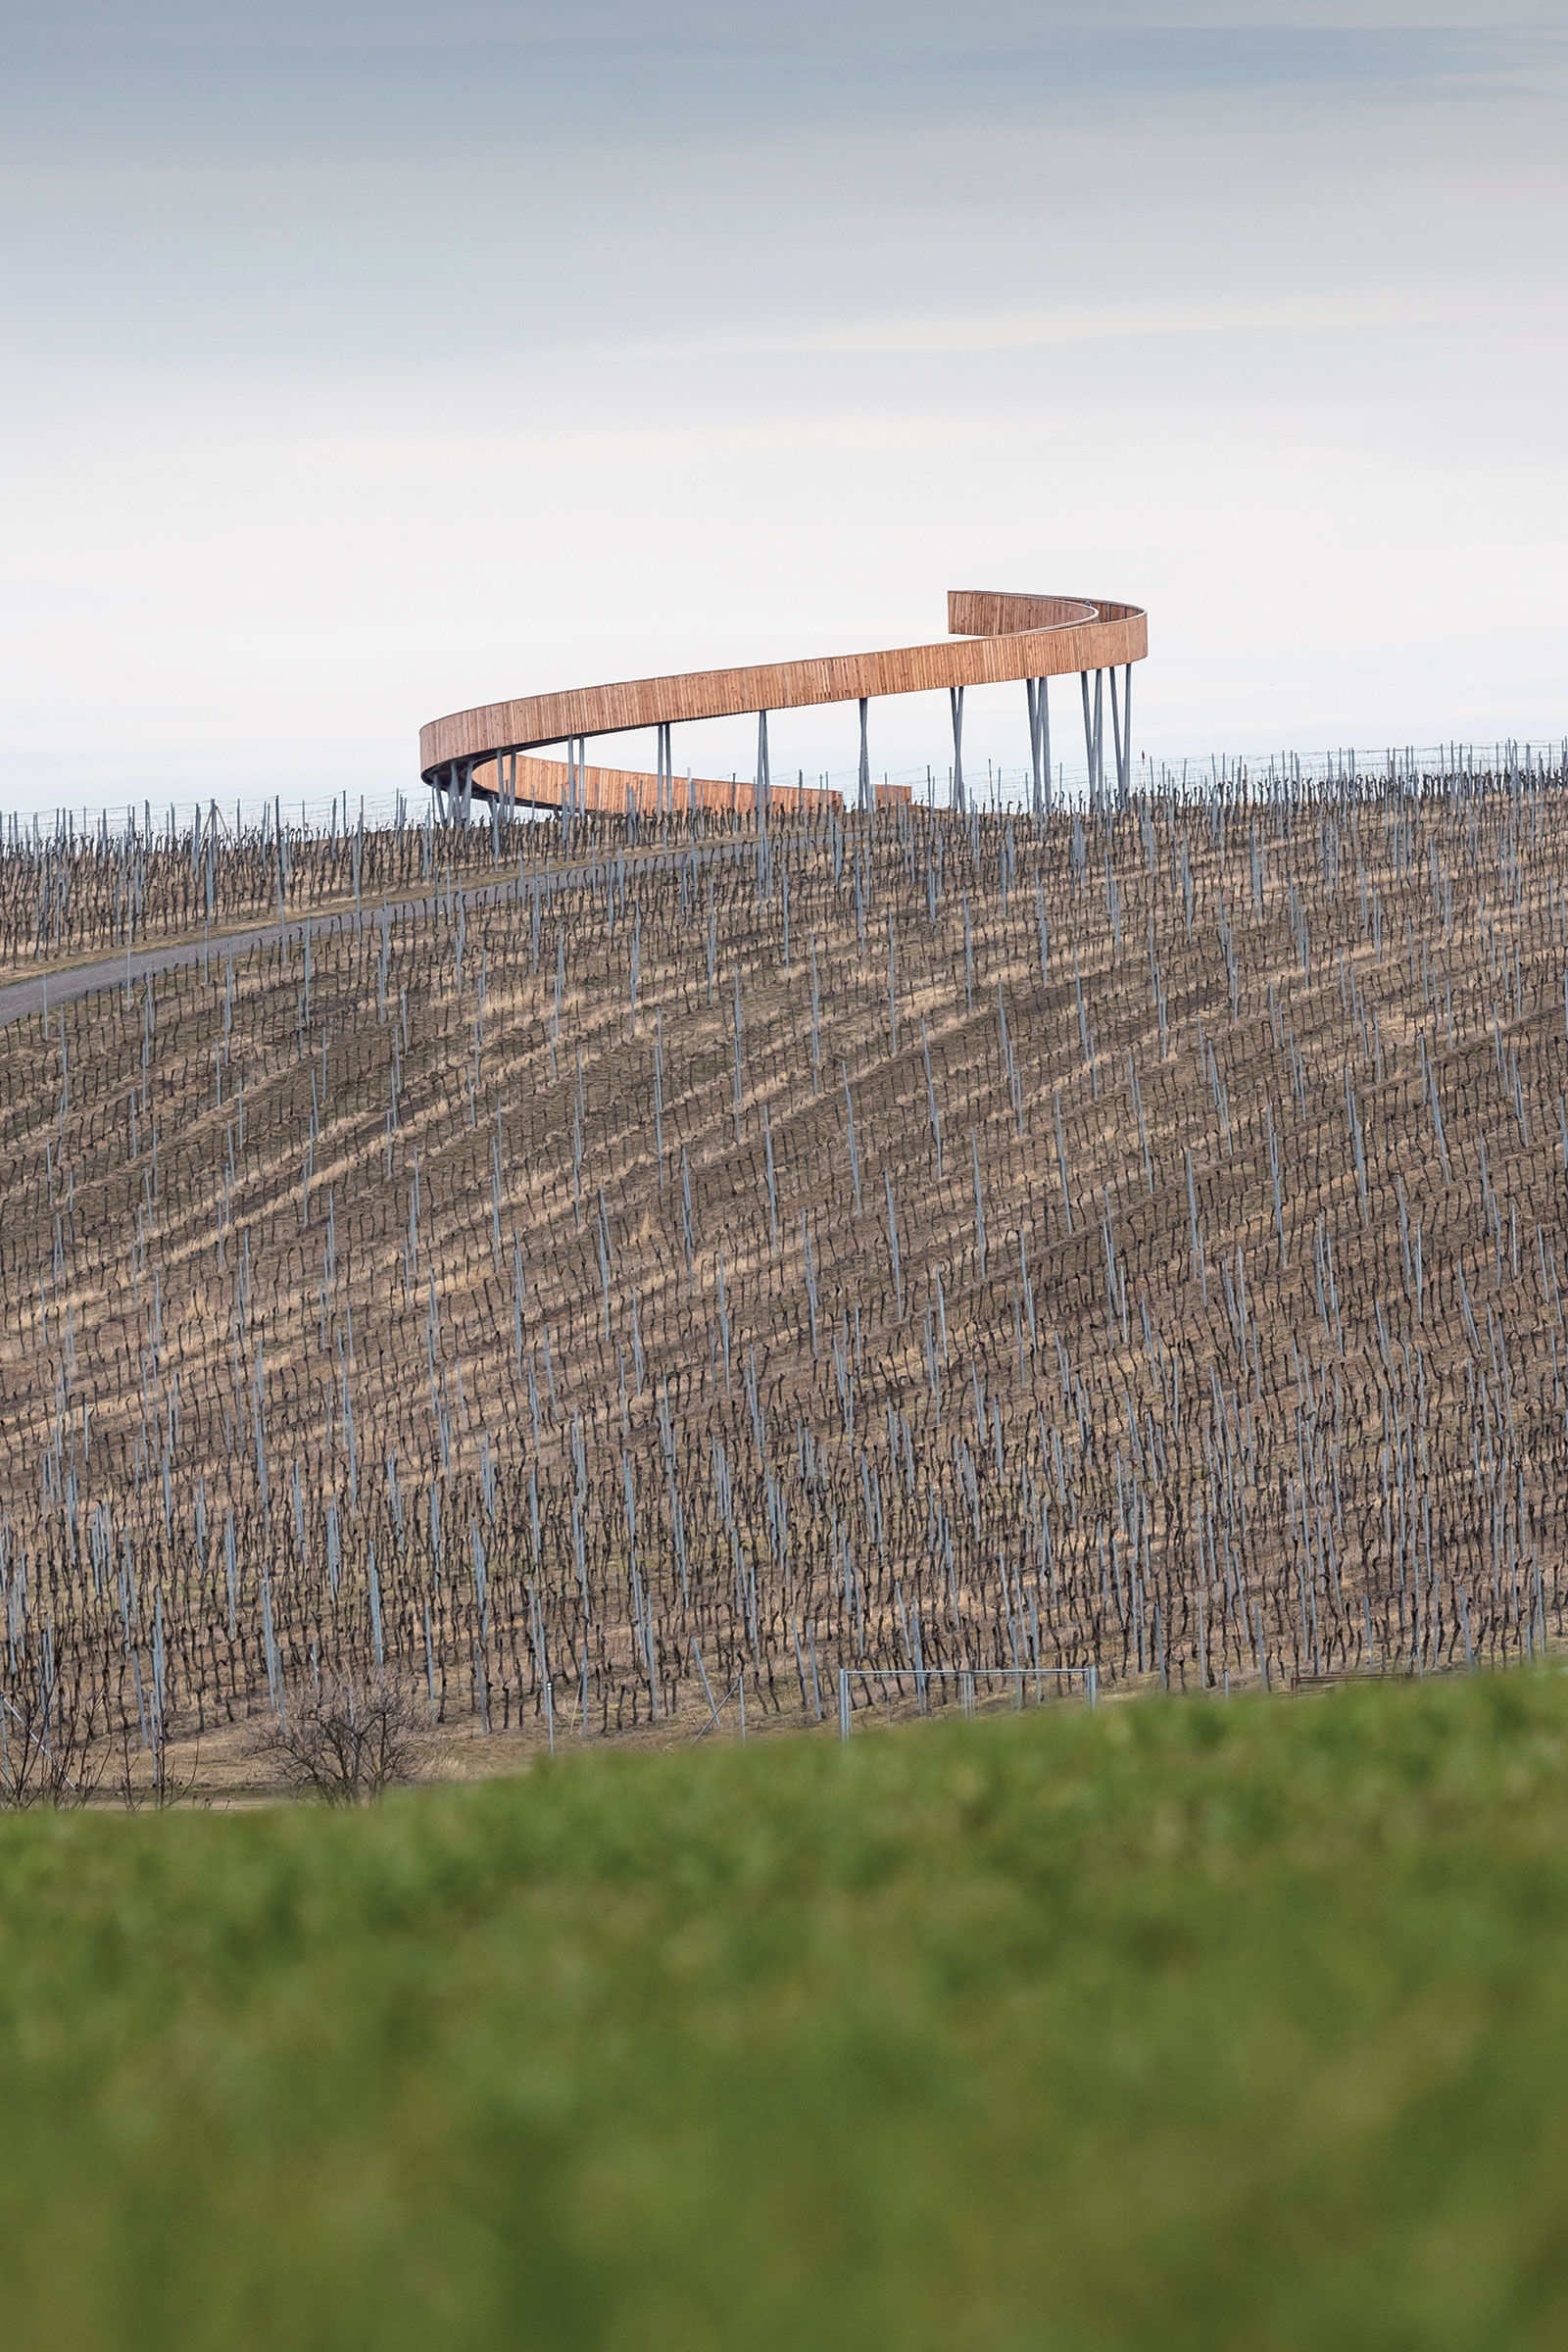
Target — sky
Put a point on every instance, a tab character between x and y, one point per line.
368	359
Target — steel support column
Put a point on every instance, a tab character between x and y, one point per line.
1040	744
866	756
764	773
1116	737
960	798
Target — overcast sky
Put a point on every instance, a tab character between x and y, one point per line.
378	357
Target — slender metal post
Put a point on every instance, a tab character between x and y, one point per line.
1099	734
764	777
1089	733
665	788
1117	737
956	698
866	756
1127	719
1039	744
844	1703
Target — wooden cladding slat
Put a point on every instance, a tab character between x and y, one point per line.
542	784
994	636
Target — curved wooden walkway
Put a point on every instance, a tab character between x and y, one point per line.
993	637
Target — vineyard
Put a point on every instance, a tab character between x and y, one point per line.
613	1276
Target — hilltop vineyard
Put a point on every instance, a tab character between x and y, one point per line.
596	1272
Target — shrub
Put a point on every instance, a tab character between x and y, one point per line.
346	1739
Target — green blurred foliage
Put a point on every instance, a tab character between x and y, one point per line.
1177	2023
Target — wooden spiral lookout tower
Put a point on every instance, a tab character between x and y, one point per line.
488	753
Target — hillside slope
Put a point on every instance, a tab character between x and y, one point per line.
703	1260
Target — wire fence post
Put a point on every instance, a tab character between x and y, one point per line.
844	1703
